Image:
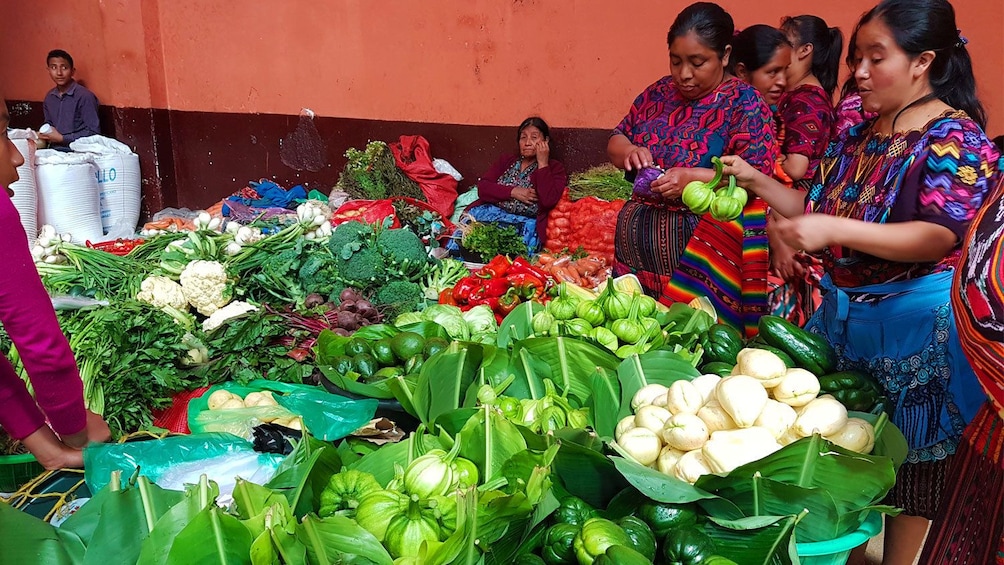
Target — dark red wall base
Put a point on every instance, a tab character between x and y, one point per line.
194	159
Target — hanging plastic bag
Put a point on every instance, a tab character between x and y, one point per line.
326	416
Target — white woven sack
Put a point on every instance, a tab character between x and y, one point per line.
25	197
119	181
68	194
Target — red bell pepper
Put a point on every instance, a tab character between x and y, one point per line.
446	297
521	265
496	268
527	285
497	287
507	303
465	287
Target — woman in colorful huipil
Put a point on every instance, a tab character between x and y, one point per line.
888	209
678	124
970	527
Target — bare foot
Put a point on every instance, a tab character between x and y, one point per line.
50	452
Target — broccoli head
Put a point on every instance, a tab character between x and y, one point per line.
398	297
344	237
362	269
404	251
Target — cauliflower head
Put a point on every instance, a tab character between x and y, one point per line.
161	291
205	286
231	311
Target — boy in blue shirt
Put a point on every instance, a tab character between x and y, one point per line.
70	109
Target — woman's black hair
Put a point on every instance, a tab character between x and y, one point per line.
827	43
929	25
755	46
712	24
851	84
536	122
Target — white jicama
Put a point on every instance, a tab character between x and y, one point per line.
762	365
646	395
685	432
691	466
626	423
856	435
743	397
777	417
706	385
824	415
798	388
642	444
668	458
789	437
727	450
651	417
715	417
684	398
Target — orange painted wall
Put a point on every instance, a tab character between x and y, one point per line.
579	63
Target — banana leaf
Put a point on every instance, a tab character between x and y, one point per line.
304	473
444	379
586	473
337	539
760	540
212	537
837	486
349	383
403	388
252	502
489	441
518	324
653	367
604	403
26	539
426	329
157	546
462	546
126	519
662	488
568	362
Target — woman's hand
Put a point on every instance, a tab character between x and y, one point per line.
527	195
96	431
670	184
543	151
783	260
809	233
638	158
745	174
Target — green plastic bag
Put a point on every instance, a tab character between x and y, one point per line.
155	457
327	416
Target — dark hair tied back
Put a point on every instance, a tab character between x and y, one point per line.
929	25
755	46
536	122
709	21
827	43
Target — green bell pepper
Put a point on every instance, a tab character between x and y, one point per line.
722	344
596	535
559	544
641	536
717	368
854	389
687	546
573	510
664	516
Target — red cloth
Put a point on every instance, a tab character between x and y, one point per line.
411	153
27	316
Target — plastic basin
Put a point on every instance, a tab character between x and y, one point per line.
16	470
836	551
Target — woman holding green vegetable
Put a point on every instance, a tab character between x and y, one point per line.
678	125
28	318
887	209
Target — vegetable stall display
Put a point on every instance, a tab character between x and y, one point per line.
589	223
